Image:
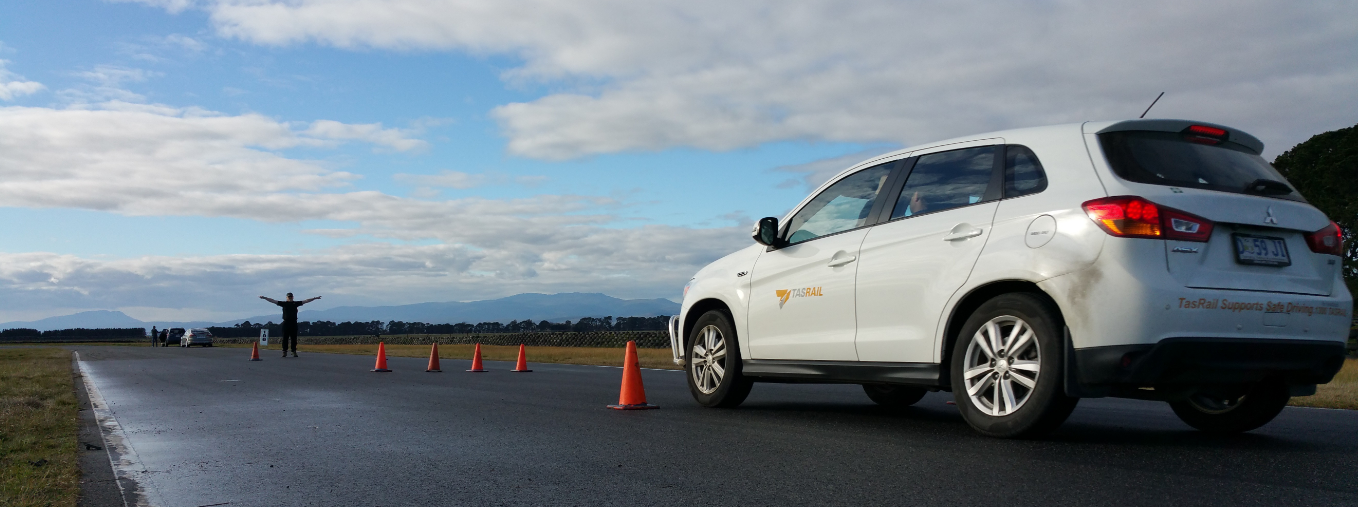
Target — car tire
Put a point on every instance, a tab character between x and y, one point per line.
888	395
1017	392
1261	404
713	363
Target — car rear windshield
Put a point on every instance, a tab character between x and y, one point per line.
1168	158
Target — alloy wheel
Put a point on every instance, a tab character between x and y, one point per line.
709	359
1001	365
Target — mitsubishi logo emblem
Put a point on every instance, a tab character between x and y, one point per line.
1269	218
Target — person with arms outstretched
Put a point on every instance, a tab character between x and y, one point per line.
289	320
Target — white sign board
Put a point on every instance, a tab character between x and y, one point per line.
263	337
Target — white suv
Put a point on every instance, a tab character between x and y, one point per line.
1025	269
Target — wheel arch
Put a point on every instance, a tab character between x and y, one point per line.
968	304
696	310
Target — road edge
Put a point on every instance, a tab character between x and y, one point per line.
98	484
123	463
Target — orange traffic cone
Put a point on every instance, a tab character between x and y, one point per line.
522	367
476	360
434	359
633	394
381	358
254	353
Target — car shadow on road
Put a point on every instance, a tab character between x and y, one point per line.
1186	438
1094	427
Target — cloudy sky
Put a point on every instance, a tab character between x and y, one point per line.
173	159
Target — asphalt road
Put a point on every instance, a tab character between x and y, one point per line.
211	428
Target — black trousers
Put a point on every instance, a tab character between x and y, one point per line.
290	337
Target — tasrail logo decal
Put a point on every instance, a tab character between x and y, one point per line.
805	292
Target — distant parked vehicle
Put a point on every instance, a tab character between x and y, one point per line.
174	336
196	336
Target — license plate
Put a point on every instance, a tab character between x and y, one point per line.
1261	250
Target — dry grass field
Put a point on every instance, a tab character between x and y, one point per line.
37	428
1342	392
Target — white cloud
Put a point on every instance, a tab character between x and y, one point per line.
445	179
115	75
107	83
819	171
12	85
530	181
174	6
643	262
135	158
717	75
462	181
184	42
369	132
635	76
140	159
162	48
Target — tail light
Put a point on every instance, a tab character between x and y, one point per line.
1133	217
1329	240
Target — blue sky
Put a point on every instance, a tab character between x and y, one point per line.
175	158
447	94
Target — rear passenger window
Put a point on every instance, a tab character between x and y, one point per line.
1023	174
946	180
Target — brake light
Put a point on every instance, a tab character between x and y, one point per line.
1329	241
1207	131
1135	217
1203	134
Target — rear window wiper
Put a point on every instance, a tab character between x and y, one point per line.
1263	186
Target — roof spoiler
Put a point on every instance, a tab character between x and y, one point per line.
1234	135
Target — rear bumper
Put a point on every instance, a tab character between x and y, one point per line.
1129	298
1182	362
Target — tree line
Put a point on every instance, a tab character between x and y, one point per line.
110	332
1324	169
376	327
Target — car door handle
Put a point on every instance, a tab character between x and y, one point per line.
963	234
840	261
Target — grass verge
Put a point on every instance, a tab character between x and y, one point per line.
1342	392
37	428
605	356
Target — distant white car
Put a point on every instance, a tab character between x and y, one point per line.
197	336
1023	270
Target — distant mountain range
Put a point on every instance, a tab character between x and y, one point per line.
551	307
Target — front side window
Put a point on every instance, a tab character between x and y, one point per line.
944	180
1023	173
843	206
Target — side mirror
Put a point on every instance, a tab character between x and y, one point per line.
766	232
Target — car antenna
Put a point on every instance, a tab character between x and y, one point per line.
1148	108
